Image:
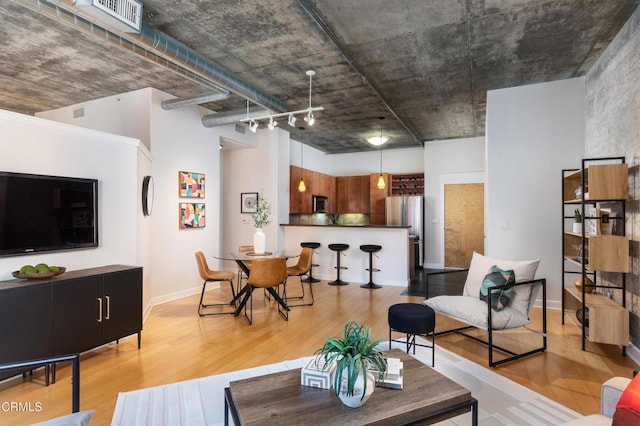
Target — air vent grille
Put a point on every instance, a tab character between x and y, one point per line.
240	128
123	15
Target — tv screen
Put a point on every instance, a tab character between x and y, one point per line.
46	213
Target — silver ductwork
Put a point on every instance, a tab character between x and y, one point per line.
228	117
161	49
194	100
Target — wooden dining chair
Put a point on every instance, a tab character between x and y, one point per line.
208	276
300	270
268	273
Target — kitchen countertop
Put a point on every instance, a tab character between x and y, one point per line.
351	226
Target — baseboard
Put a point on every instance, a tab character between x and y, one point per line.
551	304
179	294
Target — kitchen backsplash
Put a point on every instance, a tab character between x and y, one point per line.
353	219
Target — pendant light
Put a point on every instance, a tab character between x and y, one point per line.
381	183
301	185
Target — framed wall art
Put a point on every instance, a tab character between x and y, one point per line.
248	202
192	215
191	185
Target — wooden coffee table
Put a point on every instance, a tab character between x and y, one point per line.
279	399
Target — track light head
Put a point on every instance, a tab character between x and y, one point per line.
292	120
272	123
309	118
253	125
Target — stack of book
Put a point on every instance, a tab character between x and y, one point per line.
393	376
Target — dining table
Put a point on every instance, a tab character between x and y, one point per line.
243	259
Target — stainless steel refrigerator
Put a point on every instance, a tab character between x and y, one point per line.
408	211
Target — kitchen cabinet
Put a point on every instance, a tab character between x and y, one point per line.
377	198
316	183
353	194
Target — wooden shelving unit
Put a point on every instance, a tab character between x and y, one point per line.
407	184
599	182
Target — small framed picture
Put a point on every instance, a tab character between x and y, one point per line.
191	185
248	202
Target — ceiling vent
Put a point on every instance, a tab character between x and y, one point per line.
122	15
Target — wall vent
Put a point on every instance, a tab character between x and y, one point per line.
123	15
78	113
240	128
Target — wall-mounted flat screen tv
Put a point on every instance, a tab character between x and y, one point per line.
46	213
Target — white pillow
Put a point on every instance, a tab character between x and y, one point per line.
525	270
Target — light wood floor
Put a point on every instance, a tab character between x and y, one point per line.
177	345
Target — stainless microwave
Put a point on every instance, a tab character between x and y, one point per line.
320	204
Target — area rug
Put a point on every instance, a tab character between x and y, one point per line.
201	401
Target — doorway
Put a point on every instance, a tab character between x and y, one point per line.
463	223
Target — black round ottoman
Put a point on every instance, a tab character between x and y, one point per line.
413	319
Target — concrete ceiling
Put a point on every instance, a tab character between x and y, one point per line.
425	65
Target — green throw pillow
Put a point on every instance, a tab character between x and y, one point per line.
498	277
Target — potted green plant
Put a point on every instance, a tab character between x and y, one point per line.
355	354
261	217
577	225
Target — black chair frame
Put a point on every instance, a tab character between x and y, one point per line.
411	341
202	306
44	362
489	341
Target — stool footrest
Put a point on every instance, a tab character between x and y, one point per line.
373	270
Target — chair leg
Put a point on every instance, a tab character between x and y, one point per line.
202	305
301	297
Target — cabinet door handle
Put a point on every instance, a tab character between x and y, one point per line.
99	309
108	307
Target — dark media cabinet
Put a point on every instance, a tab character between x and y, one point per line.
70	313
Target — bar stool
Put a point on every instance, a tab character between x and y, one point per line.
310	279
371	248
338	248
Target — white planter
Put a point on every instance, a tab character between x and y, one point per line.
259	241
357	400
577	228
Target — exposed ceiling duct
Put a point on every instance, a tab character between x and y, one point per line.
194	100
228	117
164	46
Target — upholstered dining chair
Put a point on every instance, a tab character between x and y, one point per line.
268	273
301	269
241	275
208	276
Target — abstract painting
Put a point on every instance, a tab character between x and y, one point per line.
191	185
192	215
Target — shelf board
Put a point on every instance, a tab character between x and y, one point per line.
591	299
575	234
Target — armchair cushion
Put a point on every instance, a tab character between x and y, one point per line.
473	311
525	270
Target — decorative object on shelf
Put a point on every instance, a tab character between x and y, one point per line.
191	185
261	217
192	215
147	195
301	185
578	191
38	272
583	316
577	224
588	287
248	202
354	355
291	119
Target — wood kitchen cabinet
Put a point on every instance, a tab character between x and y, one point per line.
316	183
353	194
377	198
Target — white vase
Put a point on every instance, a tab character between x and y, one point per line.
577	228
259	241
356	400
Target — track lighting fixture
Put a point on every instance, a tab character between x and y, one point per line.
291	115
253	125
309	118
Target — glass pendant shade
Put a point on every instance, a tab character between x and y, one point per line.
381	184
301	186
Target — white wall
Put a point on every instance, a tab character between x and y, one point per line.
449	161
312	159
38	146
532	133
409	160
